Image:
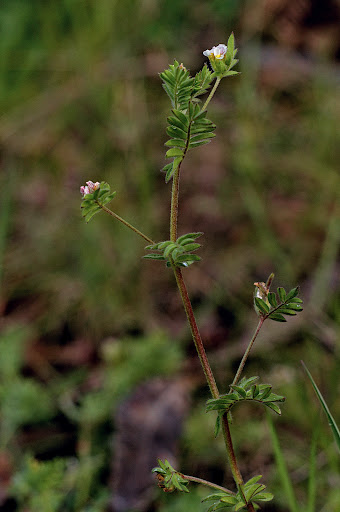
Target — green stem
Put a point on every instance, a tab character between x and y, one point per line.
212	92
246	354
127	224
207	484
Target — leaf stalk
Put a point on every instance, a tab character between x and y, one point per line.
126	223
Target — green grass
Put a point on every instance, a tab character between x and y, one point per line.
81	99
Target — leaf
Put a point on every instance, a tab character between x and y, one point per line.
247	382
181	117
239	506
274	407
286	311
178	123
193	145
295	307
174	152
334	427
292	294
191	247
265	392
169	173
154	257
91	213
229	500
201	136
192	236
176	133
282	294
162	245
232	72
242	392
295	300
231	44
217	425
169	249
277	317
173	168
272	299
215	496
254	391
251	490
253	480
262	306
264	496
175	143
188	258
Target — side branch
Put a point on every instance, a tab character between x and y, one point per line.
127	224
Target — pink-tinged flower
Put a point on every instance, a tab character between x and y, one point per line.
89	188
216	52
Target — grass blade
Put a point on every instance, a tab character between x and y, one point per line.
331	421
282	468
312	470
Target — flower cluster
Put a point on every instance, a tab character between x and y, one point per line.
89	188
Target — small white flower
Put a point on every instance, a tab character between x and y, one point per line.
217	52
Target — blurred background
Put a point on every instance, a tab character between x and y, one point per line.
98	374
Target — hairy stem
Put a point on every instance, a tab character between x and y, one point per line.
212	92
127	224
246	354
195	333
174	204
210	380
207	484
233	462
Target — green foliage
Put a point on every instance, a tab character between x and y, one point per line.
178	84
246	390
177	253
275	306
168	478
59	116
93	203
12	342
230	57
24	401
202	81
188	126
285	478
251	492
127	362
40	485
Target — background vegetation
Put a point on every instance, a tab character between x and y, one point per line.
91	335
